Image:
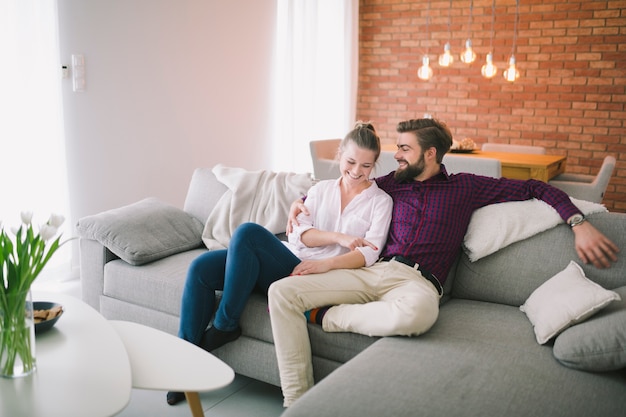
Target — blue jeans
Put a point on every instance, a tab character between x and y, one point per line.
255	258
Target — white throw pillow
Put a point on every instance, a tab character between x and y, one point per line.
567	298
496	226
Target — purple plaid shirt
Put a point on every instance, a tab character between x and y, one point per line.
430	218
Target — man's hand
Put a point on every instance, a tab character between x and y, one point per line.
594	247
296	208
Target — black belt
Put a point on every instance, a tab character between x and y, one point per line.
426	274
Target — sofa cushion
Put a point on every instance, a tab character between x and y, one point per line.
567	298
203	194
496	226
143	232
598	344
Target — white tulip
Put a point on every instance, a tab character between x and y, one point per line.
47	232
27	217
56	220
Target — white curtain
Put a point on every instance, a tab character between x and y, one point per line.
32	166
316	69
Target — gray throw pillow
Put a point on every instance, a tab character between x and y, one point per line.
599	344
144	231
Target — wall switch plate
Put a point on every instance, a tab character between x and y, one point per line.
78	73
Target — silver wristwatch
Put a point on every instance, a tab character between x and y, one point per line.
576	219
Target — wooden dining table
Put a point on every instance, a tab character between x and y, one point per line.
524	166
521	166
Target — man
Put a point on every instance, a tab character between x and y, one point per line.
399	295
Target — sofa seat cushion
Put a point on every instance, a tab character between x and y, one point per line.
479	359
157	285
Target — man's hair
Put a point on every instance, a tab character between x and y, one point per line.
429	133
364	136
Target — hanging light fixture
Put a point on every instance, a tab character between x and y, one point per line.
511	74
489	70
468	56
425	72
446	59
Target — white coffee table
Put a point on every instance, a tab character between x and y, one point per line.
160	361
82	368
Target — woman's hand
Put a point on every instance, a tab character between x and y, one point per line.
311	267
353	242
296	208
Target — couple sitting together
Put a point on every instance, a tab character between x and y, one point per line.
363	256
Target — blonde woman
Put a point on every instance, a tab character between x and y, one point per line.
346	227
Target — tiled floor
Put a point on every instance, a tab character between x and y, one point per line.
245	397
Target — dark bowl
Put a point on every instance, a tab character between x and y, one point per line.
46	325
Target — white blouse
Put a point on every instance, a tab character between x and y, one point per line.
368	215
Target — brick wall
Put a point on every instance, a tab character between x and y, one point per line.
570	98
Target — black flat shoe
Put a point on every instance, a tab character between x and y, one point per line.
214	338
174	397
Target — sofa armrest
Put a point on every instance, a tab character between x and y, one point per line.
139	233
93	258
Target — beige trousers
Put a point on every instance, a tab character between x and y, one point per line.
386	299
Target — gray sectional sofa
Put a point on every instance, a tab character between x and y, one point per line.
481	358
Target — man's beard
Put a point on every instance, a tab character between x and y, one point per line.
410	171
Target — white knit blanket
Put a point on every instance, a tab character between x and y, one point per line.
496	226
262	197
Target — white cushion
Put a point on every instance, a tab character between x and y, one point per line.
496	226
567	298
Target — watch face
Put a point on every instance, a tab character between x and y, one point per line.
577	218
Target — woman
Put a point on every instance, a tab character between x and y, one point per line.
346	228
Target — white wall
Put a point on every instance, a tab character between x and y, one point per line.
171	85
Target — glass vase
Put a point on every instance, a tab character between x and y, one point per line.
17	335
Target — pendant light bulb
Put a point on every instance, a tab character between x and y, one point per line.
511	74
468	56
489	70
425	72
446	59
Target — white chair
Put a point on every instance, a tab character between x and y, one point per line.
586	187
505	147
324	158
474	165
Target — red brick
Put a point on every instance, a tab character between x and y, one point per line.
571	96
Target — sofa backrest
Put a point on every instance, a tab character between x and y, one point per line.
203	194
510	275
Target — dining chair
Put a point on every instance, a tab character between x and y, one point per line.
506	147
324	158
489	167
586	187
